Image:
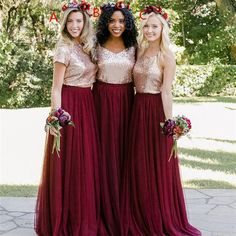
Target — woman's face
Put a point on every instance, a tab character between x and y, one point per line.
116	25
75	24
152	29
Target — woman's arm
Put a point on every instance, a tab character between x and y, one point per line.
58	77
168	77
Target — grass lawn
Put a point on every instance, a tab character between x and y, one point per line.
205	99
18	190
207	160
208	163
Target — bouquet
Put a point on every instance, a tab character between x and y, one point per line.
176	128
58	119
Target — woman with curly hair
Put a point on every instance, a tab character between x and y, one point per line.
113	96
68	198
153	202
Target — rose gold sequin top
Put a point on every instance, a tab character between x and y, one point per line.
115	68
148	75
80	71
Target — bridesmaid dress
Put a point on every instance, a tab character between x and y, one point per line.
113	96
68	198
153	201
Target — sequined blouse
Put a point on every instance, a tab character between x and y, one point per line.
115	68
148	75
80	71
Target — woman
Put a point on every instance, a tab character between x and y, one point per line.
113	96
68	198
153	201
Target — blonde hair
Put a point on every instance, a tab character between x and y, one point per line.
165	40
86	36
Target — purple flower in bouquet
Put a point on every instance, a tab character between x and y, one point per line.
64	119
168	127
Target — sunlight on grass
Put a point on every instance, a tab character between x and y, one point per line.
222	179
208	144
217	140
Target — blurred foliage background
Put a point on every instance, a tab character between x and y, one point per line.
203	35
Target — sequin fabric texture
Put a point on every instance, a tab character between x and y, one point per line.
80	71
115	68
148	75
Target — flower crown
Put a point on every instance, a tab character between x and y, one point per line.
116	6
157	10
83	6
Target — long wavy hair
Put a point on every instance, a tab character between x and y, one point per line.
130	34
86	36
165	39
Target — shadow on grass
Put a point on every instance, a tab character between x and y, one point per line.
206	183
224	161
217	140
205	99
18	190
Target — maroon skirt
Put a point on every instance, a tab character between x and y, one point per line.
153	201
68	198
113	103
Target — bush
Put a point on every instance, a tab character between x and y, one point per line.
194	80
25	78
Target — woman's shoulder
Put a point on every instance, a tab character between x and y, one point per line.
169	58
64	45
62	53
169	55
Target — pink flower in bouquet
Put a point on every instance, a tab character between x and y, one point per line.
188	122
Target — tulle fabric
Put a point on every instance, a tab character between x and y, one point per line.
113	103
152	201
68	197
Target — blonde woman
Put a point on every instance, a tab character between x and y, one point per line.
68	198
153	201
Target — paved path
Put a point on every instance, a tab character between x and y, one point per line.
213	211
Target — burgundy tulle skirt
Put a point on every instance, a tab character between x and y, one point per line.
68	198
113	103
152	202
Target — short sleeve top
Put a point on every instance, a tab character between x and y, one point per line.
80	70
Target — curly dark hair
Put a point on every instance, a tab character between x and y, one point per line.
129	36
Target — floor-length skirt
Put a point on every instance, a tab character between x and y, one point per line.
153	201
113	103
68	198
